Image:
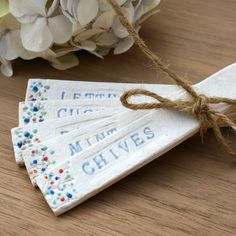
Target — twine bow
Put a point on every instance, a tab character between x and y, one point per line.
198	106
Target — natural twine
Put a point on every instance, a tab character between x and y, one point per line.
198	107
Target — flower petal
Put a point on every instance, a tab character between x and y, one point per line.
27	19
123	45
70	4
7	46
53	7
16	44
77	28
106	39
105	6
87	11
36	36
88	45
48	54
61	29
8	22
63	51
87	34
118	28
6	68
65	62
19	8
63	4
105	20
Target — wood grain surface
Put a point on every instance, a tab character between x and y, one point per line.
189	191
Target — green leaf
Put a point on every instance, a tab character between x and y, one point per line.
4	9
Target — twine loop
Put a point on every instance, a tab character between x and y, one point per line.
199	104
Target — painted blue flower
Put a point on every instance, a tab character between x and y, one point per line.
35	89
35	109
26	120
19	144
27	134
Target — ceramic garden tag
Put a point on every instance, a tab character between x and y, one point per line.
82	176
26	136
40	111
41	157
43	89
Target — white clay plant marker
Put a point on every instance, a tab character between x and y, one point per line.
77	179
41	111
26	136
40	158
44	89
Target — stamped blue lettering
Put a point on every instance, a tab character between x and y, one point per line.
63	94
99	137
149	133
63	132
113	154
73	111
137	140
100	161
60	112
75	148
89	95
77	95
88	110
100	95
124	146
88	141
118	150
87	169
111	131
110	95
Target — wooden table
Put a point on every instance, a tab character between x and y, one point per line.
189	191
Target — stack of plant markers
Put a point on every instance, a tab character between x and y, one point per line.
76	139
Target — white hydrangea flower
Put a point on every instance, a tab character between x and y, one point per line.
55	29
11	45
41	25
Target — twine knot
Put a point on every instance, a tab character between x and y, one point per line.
199	106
